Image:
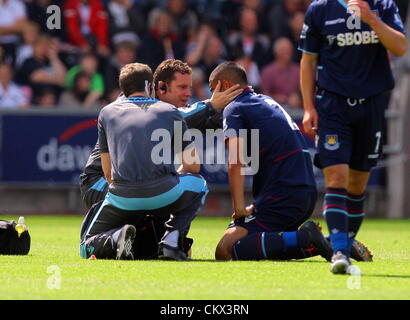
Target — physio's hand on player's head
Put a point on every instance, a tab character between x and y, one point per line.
220	99
310	121
240	213
362	9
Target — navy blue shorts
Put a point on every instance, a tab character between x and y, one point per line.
350	130
285	209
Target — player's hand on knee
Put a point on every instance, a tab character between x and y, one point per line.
220	98
243	212
310	121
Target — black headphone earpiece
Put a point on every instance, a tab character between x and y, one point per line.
163	87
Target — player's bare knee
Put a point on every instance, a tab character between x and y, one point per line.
356	189
223	251
337	176
357	181
336	181
232	235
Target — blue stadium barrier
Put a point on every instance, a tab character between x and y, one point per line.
45	146
50	147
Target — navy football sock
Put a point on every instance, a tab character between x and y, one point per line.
335	212
295	243
355	204
252	247
271	245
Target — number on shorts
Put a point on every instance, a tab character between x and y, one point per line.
378	137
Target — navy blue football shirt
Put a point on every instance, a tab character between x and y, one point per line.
352	60
284	159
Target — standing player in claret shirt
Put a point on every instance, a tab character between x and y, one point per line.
345	59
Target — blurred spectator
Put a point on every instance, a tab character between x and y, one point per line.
37	12
253	45
89	65
197	43
200	87
251	68
207	8
262	9
44	70
46	98
295	26
12	20
161	42
146	5
280	16
87	25
280	79
229	15
111	96
2	57
403	6
185	20
125	53
210	57
125	20
30	34
80	96
11	95
208	53
147	31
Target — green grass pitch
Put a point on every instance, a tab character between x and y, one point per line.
55	243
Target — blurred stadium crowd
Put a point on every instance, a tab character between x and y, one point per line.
75	64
